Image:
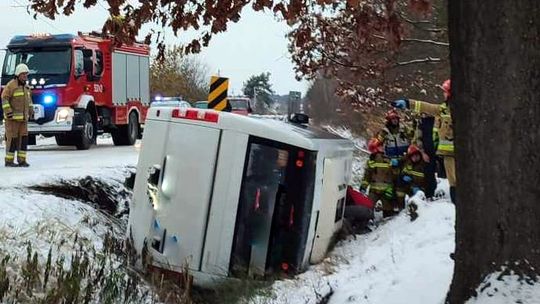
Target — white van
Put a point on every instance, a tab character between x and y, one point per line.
231	195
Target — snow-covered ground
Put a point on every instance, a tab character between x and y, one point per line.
51	162
505	287
399	262
37	223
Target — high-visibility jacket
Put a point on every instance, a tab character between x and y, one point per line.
444	124
415	171
379	175
17	100
395	141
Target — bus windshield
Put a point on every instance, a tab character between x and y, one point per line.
39	61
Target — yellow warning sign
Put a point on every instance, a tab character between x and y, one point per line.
217	98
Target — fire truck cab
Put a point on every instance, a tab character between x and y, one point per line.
83	85
235	196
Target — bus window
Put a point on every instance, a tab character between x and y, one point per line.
273	210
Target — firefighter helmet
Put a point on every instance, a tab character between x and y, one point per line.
375	146
392	114
413	149
21	68
446	88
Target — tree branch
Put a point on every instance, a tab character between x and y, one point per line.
415	61
327	56
439	43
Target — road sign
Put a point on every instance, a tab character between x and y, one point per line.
217	98
294	102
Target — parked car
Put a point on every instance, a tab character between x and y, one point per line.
240	105
202	104
170	102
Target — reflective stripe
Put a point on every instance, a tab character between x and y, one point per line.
373	164
446	116
380	186
417	107
414	173
18	93
446	146
6	106
10	156
21	153
18	117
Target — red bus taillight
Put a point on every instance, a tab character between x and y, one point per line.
196	115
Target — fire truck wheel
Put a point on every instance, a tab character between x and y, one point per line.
64	140
127	135
85	138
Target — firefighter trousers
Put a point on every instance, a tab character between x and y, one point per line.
450	168
16	140
375	196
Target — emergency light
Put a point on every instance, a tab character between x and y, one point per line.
49	99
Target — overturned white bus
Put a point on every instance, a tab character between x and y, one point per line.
231	195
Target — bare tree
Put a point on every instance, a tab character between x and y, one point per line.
179	75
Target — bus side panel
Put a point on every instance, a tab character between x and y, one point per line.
141	212
185	193
222	219
332	206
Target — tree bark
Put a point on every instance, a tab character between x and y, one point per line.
495	61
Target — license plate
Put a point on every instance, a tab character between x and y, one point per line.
38	111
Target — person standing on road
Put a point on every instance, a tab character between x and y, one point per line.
443	115
17	107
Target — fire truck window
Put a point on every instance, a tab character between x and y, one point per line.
79	63
99	63
40	61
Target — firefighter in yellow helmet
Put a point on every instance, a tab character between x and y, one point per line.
444	124
17	108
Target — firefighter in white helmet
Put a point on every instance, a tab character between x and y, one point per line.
17	107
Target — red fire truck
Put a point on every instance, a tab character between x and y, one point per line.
82	86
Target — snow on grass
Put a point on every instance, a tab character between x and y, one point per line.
399	262
47	220
507	287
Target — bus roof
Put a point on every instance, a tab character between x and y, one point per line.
307	137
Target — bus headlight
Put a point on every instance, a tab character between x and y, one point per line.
64	114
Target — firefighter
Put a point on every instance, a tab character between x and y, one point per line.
379	176
17	107
411	177
444	125
395	137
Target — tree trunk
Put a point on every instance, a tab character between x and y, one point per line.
495	60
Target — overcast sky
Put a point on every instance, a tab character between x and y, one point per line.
254	45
